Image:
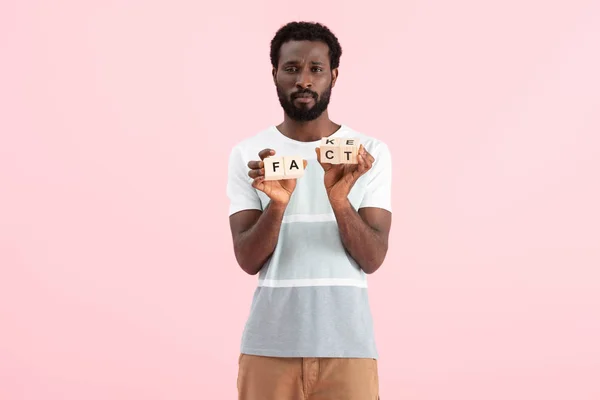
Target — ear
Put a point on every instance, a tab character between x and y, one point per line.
274	73
334	76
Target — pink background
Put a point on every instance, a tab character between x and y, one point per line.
117	278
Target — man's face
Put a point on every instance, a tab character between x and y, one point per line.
304	79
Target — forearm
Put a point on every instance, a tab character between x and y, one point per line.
365	244
255	245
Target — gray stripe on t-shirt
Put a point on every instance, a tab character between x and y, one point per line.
326	321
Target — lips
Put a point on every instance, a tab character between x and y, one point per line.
304	98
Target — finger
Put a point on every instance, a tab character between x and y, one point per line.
256	173
362	164
326	166
305	163
266	153
366	154
258	183
256	164
368	158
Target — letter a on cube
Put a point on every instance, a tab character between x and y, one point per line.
294	167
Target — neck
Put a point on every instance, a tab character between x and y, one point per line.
308	131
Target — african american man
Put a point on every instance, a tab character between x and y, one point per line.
311	240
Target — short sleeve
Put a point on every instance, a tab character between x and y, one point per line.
379	186
241	194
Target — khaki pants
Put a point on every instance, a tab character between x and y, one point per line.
274	378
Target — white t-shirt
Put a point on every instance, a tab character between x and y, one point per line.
311	299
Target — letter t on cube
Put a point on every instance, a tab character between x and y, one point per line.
349	151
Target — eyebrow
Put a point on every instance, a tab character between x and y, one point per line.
291	62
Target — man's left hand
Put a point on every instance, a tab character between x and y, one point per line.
340	178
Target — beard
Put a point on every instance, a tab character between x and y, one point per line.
304	113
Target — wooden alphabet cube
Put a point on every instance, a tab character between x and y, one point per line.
330	150
339	151
274	168
287	167
349	151
293	167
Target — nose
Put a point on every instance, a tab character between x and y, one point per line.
304	80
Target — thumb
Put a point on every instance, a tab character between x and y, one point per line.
326	166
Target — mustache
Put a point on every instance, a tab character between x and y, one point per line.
303	93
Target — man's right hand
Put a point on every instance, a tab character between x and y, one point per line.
279	191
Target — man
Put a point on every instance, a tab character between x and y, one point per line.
312	240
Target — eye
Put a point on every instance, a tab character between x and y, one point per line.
291	69
318	69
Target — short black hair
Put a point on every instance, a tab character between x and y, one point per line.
313	31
